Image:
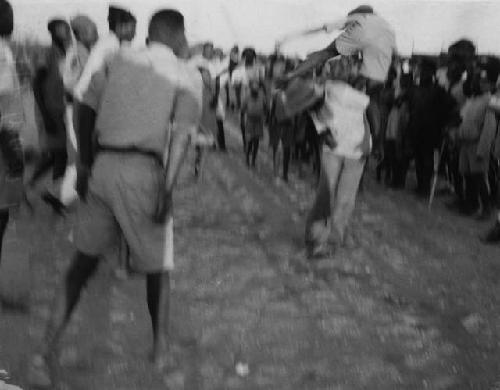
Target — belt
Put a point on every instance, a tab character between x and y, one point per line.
131	150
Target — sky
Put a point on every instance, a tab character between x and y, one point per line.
420	25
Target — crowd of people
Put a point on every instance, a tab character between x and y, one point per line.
353	101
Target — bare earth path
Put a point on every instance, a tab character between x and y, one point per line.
414	306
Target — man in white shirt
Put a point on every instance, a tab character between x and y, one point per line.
122	26
371	36
148	110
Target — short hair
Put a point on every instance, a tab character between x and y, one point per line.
6	19
117	15
362	9
54	23
167	18
462	51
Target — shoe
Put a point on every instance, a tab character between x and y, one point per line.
493	236
58	207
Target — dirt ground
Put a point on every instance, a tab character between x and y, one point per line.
414	306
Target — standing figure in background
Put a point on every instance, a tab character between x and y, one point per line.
232	89
426	120
50	96
253	116
475	136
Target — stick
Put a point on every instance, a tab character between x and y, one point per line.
436	174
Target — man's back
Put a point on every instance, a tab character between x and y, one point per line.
139	99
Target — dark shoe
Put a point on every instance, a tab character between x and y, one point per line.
484	215
58	207
493	236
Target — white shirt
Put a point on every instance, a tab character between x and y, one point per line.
101	54
343	113
11	107
374	37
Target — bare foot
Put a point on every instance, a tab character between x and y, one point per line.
39	372
160	357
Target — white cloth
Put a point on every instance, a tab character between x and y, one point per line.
101	54
343	113
11	105
375	38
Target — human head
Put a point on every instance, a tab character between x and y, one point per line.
362	9
6	19
489	72
249	56
219	53
85	30
122	23
167	27
208	50
60	32
234	55
461	56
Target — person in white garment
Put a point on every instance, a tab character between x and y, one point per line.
342	160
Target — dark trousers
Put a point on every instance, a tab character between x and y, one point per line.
56	160
4	220
476	189
221	137
424	165
252	149
287	153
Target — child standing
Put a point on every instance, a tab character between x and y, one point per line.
253	115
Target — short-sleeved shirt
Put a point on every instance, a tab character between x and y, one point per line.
374	38
101	54
148	93
11	107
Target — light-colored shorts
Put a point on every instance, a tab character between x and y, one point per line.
120	203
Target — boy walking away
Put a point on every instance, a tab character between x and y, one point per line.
476	135
345	131
253	116
51	99
149	108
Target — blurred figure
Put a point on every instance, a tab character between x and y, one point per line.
253	116
134	174
85	32
231	88
369	34
122	28
50	96
396	149
427	118
344	150
475	136
11	121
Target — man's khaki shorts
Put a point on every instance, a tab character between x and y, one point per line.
120	203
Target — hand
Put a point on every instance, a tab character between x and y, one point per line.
82	181
163	207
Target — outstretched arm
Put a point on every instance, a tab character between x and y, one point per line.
313	61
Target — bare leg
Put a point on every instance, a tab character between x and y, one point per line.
158	295
4	220
77	277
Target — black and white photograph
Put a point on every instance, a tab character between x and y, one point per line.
249	195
